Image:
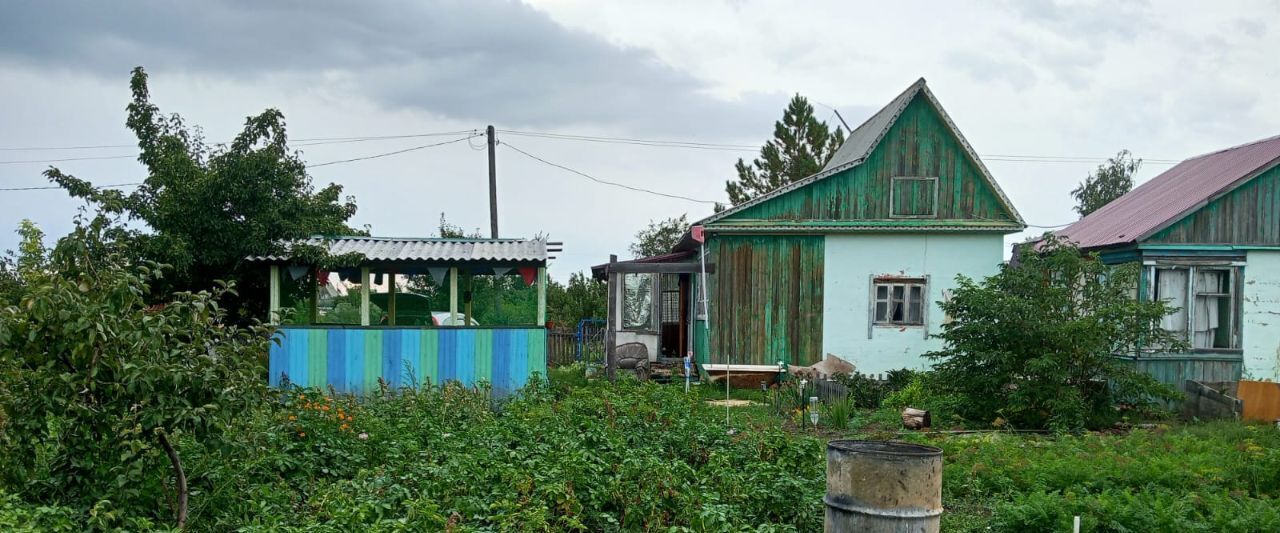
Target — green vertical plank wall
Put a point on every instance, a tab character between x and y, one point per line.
351	359
773	285
919	144
1248	215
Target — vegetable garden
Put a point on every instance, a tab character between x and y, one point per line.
573	455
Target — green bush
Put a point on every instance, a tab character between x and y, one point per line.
1036	343
922	393
837	413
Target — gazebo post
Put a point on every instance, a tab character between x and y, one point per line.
542	296
391	298
453	296
364	296
315	296
273	309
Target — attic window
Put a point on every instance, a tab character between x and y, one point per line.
912	197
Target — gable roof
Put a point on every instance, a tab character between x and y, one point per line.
863	140
1173	195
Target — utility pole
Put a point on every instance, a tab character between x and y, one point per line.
493	221
493	182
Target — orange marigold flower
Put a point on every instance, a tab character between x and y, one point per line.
302	434
324	408
345	427
291	417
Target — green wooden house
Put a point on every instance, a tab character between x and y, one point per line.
1207	233
849	262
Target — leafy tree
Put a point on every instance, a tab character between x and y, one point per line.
101	383
800	147
495	300
1110	181
581	298
1035	344
208	208
26	263
660	236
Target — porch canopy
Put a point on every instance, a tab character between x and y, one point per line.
405	341
651	304
439	258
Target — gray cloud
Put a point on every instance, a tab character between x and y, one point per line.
494	61
1118	21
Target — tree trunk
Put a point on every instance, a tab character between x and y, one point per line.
915	418
179	475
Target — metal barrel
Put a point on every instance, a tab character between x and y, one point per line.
883	487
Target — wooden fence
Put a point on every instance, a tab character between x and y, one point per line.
561	347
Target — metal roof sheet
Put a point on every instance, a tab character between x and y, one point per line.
1172	195
427	249
866	136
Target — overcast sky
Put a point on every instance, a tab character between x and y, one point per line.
1076	80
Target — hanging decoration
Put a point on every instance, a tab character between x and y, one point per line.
438	274
530	275
501	270
297	271
322	278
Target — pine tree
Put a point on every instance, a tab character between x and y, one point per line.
800	147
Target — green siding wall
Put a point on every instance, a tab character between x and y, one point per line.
1248	215
766	299
919	144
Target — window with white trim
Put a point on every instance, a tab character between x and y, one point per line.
899	301
637	302
1205	299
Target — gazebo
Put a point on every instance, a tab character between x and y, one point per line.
351	350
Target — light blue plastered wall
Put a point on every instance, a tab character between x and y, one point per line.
1261	326
850	263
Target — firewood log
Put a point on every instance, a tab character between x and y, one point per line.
913	418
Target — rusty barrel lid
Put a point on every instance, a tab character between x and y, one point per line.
883	447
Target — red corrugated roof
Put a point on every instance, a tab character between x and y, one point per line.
1172	195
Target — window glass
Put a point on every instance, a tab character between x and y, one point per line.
1206	302
914	304
899	301
637	301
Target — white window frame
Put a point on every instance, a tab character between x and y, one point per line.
889	283
1235	296
654	293
893	187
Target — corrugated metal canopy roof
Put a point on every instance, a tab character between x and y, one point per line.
389	249
1172	195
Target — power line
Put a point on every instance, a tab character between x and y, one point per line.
1050	227
654	143
48	187
314	141
386	154
633	141
605	182
68	159
47	148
